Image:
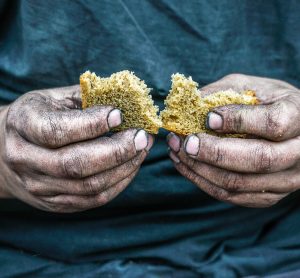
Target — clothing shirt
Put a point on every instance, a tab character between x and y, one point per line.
162	225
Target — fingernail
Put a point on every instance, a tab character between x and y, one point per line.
192	145
141	140
174	157
150	142
174	142
114	118
214	121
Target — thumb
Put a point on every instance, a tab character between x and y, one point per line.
275	121
69	96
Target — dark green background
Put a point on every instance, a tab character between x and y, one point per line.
161	225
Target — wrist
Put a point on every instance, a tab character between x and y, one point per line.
3	192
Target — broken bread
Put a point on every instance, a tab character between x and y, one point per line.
186	110
125	91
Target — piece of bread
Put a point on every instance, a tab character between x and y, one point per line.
124	91
186	110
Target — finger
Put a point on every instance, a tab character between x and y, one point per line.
65	203
174	141
279	182
80	160
41	185
69	96
47	125
243	155
267	89
257	200
277	122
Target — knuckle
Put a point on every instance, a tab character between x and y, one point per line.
231	181
277	121
18	120
72	166
11	118
120	153
93	185
11	156
263	158
189	175
51	132
217	154
237	121
219	194
93	126
136	162
30	185
103	198
31	188
97	120
190	162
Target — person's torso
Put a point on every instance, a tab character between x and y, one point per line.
50	43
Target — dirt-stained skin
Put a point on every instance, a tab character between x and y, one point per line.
254	172
56	157
59	158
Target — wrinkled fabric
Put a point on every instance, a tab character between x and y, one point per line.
161	225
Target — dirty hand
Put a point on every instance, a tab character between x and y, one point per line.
58	158
255	172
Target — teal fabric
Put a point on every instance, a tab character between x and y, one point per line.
161	225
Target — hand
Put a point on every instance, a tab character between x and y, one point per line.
56	157
248	172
